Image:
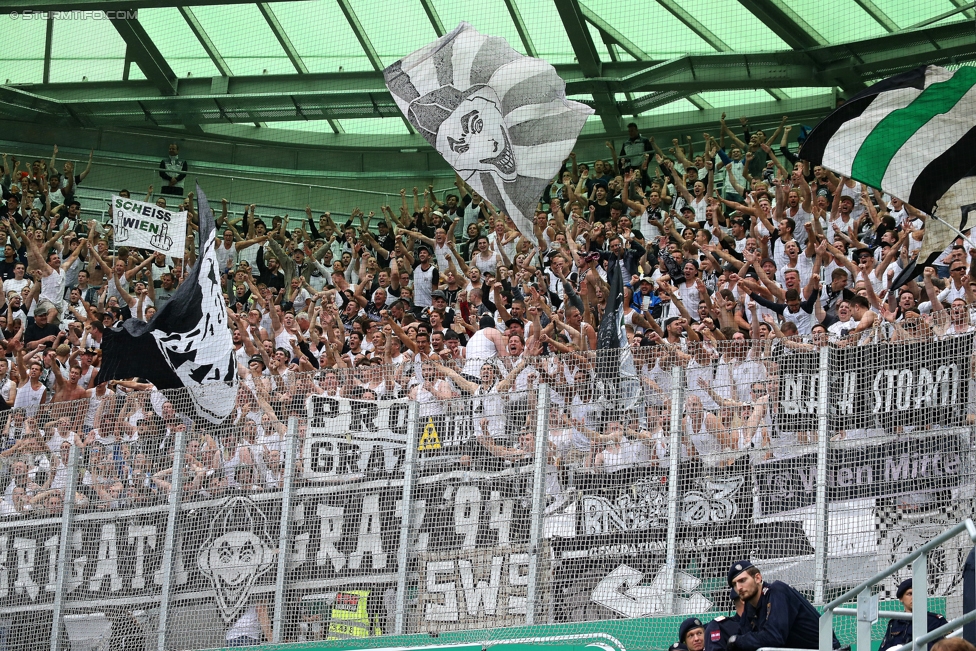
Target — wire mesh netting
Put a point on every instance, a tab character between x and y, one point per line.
412	508
517	321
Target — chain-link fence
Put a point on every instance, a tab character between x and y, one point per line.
383	500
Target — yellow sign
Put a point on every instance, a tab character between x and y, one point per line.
429	440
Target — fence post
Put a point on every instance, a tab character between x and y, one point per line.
169	544
674	456
920	597
291	448
539	462
823	445
409	460
63	544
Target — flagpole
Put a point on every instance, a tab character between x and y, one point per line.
950	227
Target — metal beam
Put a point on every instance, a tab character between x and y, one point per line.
205	42
694	25
605	28
579	36
367	45
878	15
279	33
520	27
967	7
361	35
821	67
146	55
108	5
290	50
434	17
709	37
785	23
363	94
48	43
960	9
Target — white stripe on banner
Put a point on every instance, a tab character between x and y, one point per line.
927	144
840	151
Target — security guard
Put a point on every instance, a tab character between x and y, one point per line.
775	614
691	634
720	629
899	631
352	616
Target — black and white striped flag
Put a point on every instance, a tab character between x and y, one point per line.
499	118
913	136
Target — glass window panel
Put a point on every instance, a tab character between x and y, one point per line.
312	126
652	29
491	18
242	36
734	24
322	37
86	48
171	34
907	12
838	23
23	52
547	31
380	126
397	32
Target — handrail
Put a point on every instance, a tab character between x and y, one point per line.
945	536
884	614
942	631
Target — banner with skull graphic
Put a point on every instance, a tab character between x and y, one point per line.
499	118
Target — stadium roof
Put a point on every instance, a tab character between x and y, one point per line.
309	72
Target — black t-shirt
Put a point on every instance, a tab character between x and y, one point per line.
33	332
601	213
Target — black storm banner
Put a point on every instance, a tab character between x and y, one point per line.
885	386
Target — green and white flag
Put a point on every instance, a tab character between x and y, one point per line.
913	136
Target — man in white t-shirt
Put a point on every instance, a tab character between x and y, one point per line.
18	282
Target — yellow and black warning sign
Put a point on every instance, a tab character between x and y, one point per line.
430	439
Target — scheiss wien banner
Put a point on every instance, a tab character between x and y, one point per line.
147	226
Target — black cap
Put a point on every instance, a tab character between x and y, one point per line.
738	568
256	358
486	322
903	587
687	626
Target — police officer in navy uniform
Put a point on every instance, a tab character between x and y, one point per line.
720	629
899	631
691	635
775	614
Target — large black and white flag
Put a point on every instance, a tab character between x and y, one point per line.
187	343
913	136
499	118
614	359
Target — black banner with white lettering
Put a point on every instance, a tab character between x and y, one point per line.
859	470
884	385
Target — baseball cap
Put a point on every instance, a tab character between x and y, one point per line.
438	293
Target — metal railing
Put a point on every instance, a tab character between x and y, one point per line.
867	604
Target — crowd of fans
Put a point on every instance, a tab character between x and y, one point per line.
732	258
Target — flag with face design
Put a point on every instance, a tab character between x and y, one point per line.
186	344
499	118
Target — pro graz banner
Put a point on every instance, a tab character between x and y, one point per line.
147	226
885	385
